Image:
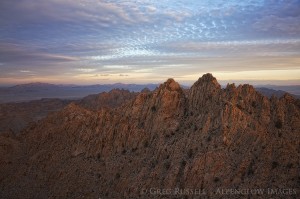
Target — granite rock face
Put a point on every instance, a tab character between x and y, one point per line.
205	138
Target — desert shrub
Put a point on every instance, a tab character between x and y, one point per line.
216	179
195	128
250	171
146	143
183	163
289	165
98	156
118	175
124	151
239	106
190	153
274	164
278	124
153	163
208	139
153	108
167	165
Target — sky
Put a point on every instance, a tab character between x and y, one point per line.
149	41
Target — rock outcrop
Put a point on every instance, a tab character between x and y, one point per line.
206	138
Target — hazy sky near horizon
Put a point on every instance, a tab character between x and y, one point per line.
148	41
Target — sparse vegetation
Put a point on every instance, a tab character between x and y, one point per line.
278	124
216	179
153	163
279	134
134	149
190	153
274	164
250	171
146	143
289	165
208	139
167	165
153	108
118	176
239	106
195	128
183	163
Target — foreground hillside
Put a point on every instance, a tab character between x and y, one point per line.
168	143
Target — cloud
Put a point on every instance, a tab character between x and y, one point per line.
271	47
20	61
83	38
289	25
86	70
67	11
13	53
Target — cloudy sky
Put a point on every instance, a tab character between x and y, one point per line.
148	41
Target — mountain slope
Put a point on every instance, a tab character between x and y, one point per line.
17	116
14	117
205	138
112	99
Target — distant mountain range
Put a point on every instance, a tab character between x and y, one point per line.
269	92
292	89
38	90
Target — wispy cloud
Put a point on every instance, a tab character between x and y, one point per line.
288	24
13	53
88	38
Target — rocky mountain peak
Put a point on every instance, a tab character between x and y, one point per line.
207	83
170	85
207	77
203	91
230	87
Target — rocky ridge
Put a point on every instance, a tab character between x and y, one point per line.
205	138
